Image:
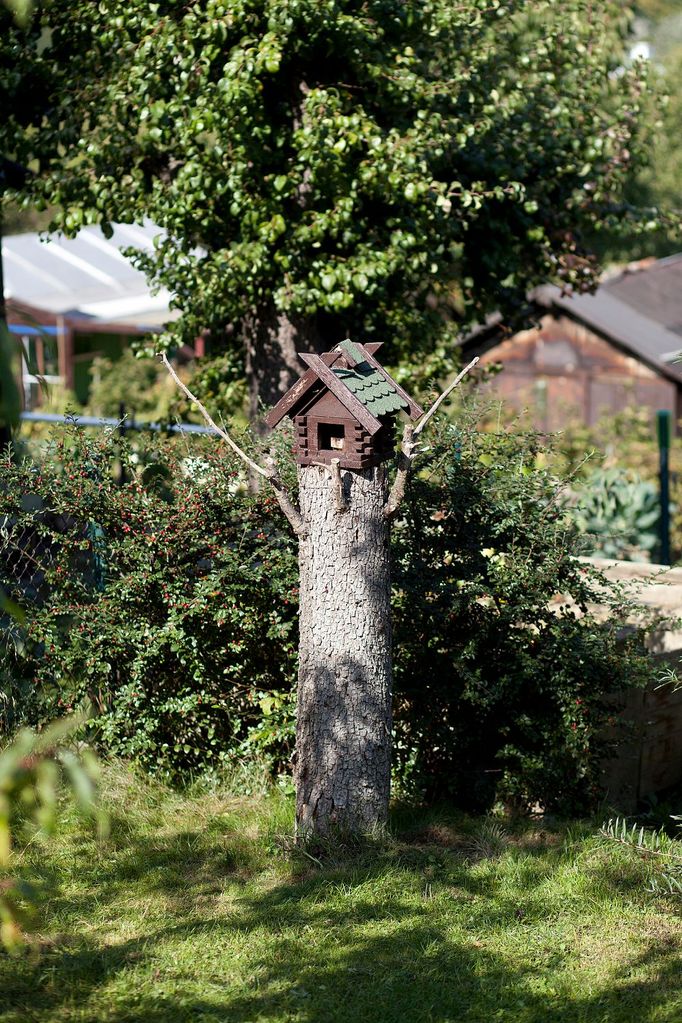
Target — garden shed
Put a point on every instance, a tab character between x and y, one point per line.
70	300
590	355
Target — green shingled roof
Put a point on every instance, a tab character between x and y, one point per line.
375	392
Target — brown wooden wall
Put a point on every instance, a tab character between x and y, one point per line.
562	372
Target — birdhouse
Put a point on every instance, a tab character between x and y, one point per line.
344	408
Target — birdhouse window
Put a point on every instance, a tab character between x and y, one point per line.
331	437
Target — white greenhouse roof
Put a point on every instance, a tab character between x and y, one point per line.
86	277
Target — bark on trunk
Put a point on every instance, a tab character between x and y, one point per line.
343	743
271	342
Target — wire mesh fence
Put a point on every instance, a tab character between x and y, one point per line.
33	538
25	558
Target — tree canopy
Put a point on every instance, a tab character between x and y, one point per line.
658	186
322	168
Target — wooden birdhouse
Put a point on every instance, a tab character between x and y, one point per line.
344	408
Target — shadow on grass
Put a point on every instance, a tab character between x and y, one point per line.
344	943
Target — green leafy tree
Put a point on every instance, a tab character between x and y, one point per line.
657	186
657	9
660	183
323	168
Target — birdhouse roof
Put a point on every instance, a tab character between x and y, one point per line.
375	390
355	377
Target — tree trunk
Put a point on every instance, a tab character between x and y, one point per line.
271	342
343	742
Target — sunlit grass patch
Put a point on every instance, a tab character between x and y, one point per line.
198	907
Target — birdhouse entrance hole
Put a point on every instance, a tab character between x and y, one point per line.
330	437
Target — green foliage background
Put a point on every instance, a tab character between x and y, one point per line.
168	607
340	165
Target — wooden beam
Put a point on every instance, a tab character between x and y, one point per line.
343	393
65	353
415	410
297	391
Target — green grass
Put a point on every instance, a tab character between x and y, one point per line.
197	909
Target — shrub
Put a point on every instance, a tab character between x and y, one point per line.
504	676
166	604
138	385
169	605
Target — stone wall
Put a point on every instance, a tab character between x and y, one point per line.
650	727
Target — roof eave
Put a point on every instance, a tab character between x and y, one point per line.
550	298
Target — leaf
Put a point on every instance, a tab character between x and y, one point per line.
13	609
10	401
273	61
21	10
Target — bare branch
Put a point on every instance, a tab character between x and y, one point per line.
221	433
269	473
334	467
439	401
338	486
408	448
405	456
289	509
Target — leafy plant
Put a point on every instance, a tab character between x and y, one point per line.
34	768
504	676
655	845
139	385
619	514
166	606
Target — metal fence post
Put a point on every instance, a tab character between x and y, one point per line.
663	422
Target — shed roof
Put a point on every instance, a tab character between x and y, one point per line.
653	288
639	310
86	277
637	332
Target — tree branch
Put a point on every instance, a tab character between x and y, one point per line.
290	510
221	433
337	484
439	401
405	456
408	448
269	473
334	467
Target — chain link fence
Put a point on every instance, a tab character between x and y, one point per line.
29	539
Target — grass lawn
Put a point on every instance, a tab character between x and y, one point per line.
195	909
